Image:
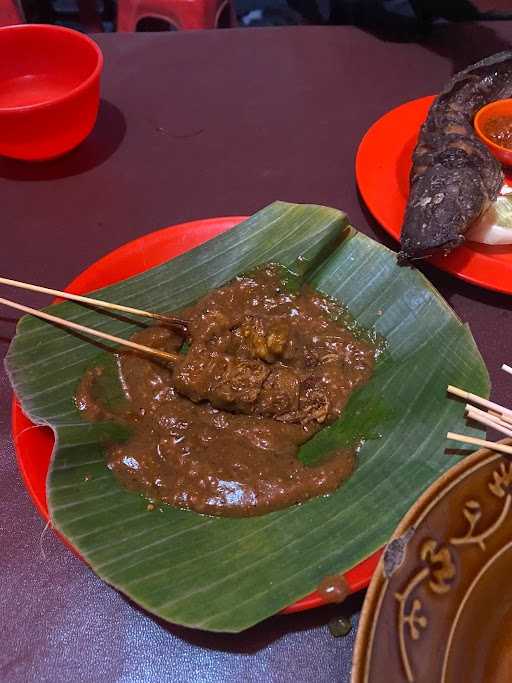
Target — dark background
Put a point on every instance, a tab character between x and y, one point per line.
402	19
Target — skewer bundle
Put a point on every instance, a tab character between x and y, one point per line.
171	321
495	416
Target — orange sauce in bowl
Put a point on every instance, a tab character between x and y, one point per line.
499	130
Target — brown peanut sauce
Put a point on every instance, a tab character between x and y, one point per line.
265	370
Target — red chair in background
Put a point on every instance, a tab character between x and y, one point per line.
10	13
182	14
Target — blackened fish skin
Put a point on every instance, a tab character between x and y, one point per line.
454	178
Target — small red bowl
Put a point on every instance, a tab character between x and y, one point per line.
483	116
49	90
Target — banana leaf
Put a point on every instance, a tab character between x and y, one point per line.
225	574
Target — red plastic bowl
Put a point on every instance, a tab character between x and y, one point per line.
492	110
49	90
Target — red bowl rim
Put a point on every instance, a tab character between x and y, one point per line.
497	149
34	28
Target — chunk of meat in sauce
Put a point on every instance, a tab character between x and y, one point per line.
227	382
219	434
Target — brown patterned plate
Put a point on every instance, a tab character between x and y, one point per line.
439	607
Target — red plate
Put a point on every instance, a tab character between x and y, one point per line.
383	163
34	444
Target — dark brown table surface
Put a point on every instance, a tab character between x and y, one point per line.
196	125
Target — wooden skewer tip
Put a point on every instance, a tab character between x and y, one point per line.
170	357
474	398
170	320
491	415
500	447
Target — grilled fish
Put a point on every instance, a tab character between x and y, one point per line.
454	178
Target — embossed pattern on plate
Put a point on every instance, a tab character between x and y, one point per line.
439	602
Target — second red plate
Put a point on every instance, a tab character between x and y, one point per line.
383	163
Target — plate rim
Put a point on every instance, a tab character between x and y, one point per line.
366	630
366	151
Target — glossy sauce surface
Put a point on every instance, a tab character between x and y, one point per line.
264	371
499	130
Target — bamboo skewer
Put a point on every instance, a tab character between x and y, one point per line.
473	398
502	448
504	420
501	416
170	320
484	418
507	368
498	418
495	413
171	357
